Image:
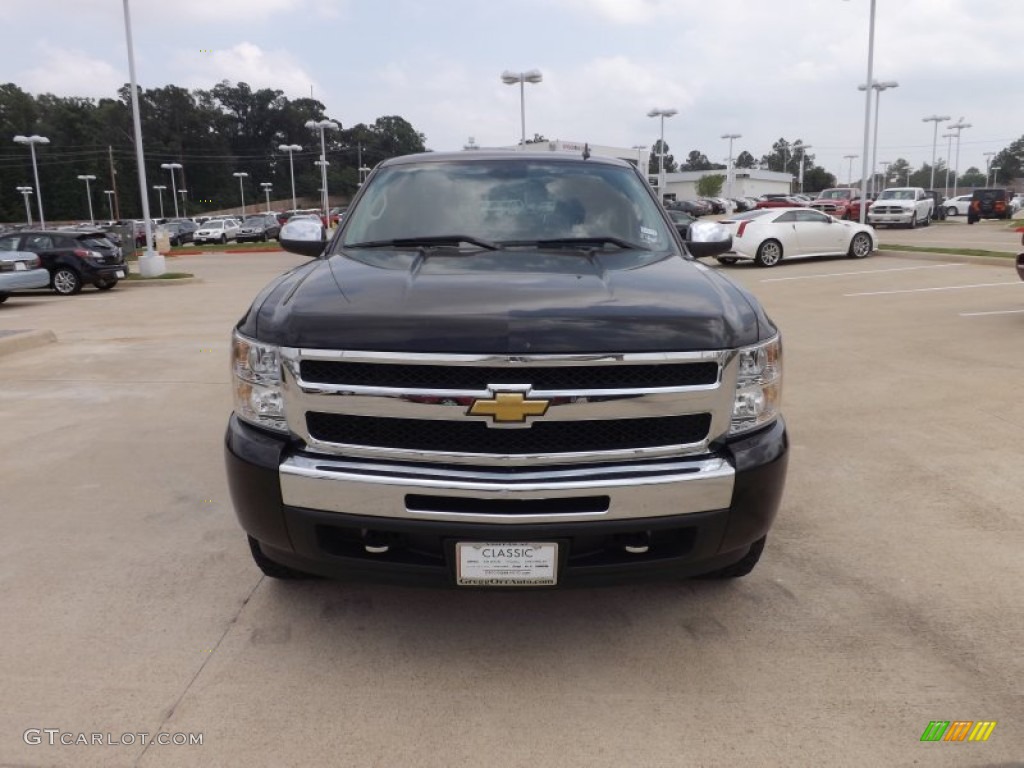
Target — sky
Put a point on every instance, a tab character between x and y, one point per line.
762	69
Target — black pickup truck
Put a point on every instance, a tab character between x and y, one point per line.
506	370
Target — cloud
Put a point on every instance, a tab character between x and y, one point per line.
246	62
66	71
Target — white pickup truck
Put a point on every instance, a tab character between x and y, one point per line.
909	206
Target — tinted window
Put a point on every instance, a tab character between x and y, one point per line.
812	217
38	242
91	241
508	200
9	243
786	218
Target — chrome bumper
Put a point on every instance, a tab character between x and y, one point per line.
650	489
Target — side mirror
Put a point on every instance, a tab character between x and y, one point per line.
708	238
304	237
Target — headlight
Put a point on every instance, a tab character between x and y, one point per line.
758	386
256	376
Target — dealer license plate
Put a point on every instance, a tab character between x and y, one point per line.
19	266
120	273
506	564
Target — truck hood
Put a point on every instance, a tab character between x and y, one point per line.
506	302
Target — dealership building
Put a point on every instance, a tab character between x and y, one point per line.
747	182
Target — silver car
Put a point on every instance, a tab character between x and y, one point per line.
19	271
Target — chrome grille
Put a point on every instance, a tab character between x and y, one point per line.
416	407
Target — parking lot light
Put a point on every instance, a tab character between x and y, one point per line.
110	201
661	113
266	185
994	169
935	137
290	149
849	175
160	188
958	127
511	78
25	192
322	125
88	194
32	141
878	87
729	171
184	209
172	167
241	189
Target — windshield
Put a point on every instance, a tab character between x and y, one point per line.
835	194
897	194
508	202
214	225
254	221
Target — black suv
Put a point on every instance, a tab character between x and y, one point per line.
71	258
262	227
989	204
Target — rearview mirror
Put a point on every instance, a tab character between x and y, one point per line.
708	238
305	237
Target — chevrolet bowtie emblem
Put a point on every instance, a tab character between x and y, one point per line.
509	408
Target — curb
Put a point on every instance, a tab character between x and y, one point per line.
992	261
19	341
233	250
152	281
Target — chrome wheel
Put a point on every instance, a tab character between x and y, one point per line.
860	246
951	211
769	254
66	282
913	220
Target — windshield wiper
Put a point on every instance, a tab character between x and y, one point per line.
428	242
588	243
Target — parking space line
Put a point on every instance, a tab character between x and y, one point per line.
928	290
862	272
998	312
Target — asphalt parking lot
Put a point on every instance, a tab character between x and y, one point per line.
888	596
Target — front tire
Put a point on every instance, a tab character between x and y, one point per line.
223	239
769	253
860	245
66	281
913	220
741	568
272	569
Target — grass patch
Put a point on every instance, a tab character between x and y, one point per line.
270	245
164	276
951	251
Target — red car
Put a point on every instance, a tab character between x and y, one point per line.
841	202
779	201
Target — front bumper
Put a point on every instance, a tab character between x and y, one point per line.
313	512
890	218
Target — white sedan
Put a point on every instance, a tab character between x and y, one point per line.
957	206
216	231
768	235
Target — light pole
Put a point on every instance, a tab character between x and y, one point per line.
322	125
32	141
661	113
949	156
988	165
290	148
908	177
995	168
266	185
511	78
849	173
241	189
88	194
363	170
184	209
935	137
728	167
878	87
867	113
803	154
160	189
26	191
958	127
110	201
885	171
172	167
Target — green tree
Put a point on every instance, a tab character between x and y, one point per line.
670	162
710	185
972	177
745	160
